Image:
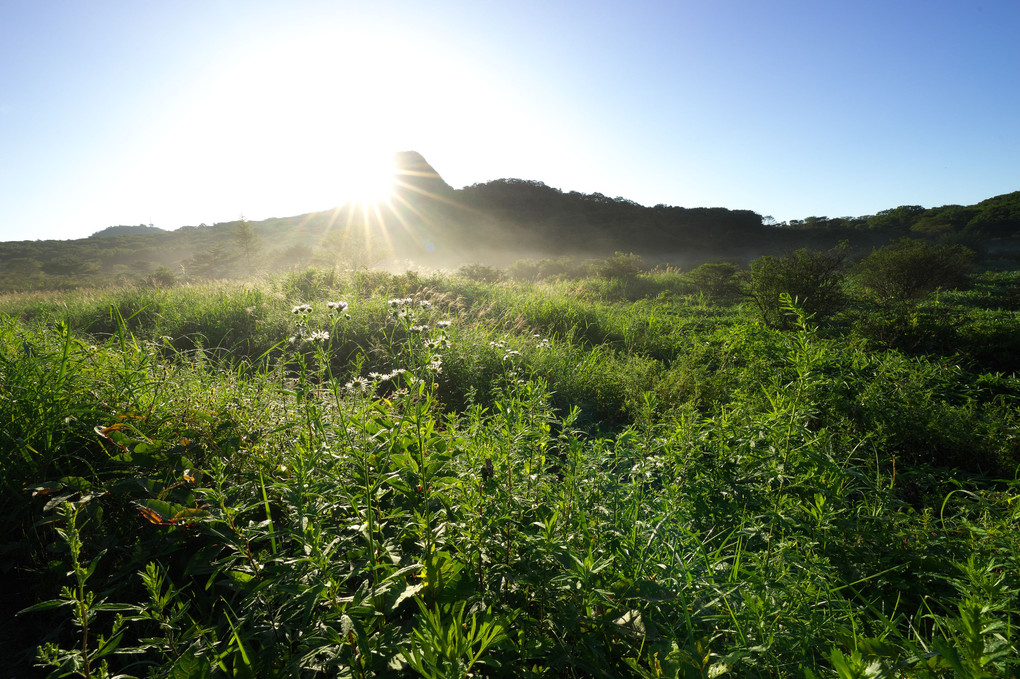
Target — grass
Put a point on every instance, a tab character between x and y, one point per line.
452	478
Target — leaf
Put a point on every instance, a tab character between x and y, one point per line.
189	515
156	511
409	591
111	644
45	606
631	623
45	488
189	666
240	577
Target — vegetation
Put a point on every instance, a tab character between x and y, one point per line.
577	471
813	278
429	225
911	269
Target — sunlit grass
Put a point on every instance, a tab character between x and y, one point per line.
412	475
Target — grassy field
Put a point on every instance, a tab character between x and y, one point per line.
366	474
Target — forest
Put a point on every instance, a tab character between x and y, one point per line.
803	465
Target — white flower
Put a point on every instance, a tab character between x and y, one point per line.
337	306
301	309
359	384
425	304
418	328
444	324
319	336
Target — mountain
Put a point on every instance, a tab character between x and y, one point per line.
428	223
414	176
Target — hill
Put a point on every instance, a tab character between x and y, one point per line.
427	223
122	230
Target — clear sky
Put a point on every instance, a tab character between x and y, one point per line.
188	112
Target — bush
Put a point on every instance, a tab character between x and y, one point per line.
910	269
622	266
482	273
720	280
813	279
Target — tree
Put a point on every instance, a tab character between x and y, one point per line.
897	218
247	241
814	279
911	269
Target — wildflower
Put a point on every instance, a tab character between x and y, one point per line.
444	324
418	328
301	309
358	384
338	307
425	304
319	336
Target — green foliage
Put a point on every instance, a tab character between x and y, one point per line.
911	269
814	279
365	474
718	280
622	266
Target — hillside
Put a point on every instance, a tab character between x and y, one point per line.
428	224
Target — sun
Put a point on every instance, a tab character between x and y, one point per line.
366	178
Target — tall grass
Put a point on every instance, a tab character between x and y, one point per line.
448	478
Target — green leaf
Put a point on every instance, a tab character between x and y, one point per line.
45	606
409	591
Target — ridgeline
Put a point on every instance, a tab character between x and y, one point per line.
428	224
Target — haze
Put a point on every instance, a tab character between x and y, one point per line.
198	112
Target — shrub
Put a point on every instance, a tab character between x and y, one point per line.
622	266
720	280
910	269
814	279
482	273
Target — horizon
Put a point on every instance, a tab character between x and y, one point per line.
178	116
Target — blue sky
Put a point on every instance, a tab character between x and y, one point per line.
184	112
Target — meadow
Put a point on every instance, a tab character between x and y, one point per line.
611	472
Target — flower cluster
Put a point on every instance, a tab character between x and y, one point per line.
303	312
367	385
382	377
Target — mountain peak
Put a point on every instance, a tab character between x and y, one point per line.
413	174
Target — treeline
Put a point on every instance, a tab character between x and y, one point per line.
559	222
994	218
427	224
